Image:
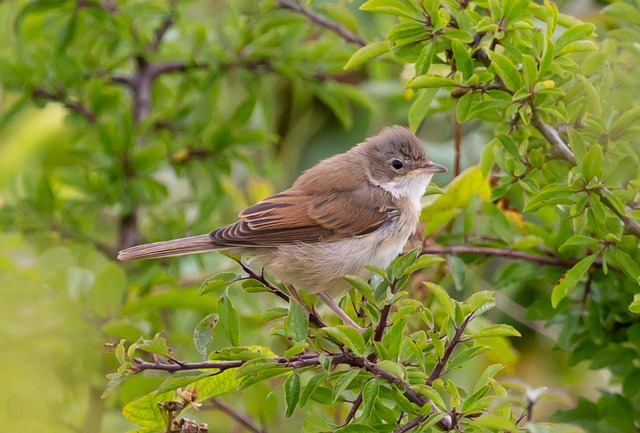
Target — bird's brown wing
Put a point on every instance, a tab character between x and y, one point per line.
293	216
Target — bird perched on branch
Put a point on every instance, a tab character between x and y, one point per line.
354	209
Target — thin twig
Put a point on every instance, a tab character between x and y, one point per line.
415	422
499	252
166	24
323	22
73	105
552	136
242	419
457	138
355	405
438	370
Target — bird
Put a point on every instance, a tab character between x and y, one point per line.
353	209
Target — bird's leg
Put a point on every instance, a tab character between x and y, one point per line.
340	312
295	295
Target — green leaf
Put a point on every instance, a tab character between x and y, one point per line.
310	387
387	7
369	396
296	324
393	368
422	262
487	374
506	70
425	59
229	319
575	33
342	383
550	195
145	411
431	81
399	265
291	393
579	241
592	162
157	345
570	279
367	53
463	59
432	394
420	107
529	70
242	353
442	296
361	286
634	307
218	281
577	47
627	264
202	335
347	336
498	330
182	379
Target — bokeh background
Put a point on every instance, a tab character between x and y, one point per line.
247	100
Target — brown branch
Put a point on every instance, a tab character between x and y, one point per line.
60	96
355	405
323	22
241	419
297	362
168	67
457	139
552	136
262	279
438	370
166	24
415	422
500	252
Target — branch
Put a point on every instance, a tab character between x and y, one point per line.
61	97
355	405
552	136
438	370
323	22
310	360
168	67
500	252
415	422
240	418
163	28
313	316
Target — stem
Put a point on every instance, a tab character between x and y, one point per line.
499	252
438	370
323	22
241	419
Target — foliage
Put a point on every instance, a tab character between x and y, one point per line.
177	116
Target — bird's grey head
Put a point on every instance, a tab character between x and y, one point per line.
397	153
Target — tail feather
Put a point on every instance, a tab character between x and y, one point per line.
176	247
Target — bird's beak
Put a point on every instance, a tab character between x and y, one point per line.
432	167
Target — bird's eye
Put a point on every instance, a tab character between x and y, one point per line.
397	164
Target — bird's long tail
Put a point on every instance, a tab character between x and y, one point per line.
175	247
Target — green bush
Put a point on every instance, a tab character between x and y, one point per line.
127	121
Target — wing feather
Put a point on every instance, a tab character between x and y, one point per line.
294	216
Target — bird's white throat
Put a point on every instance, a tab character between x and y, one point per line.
411	187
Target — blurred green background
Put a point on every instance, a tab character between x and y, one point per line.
253	103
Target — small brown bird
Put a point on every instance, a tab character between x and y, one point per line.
354	209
